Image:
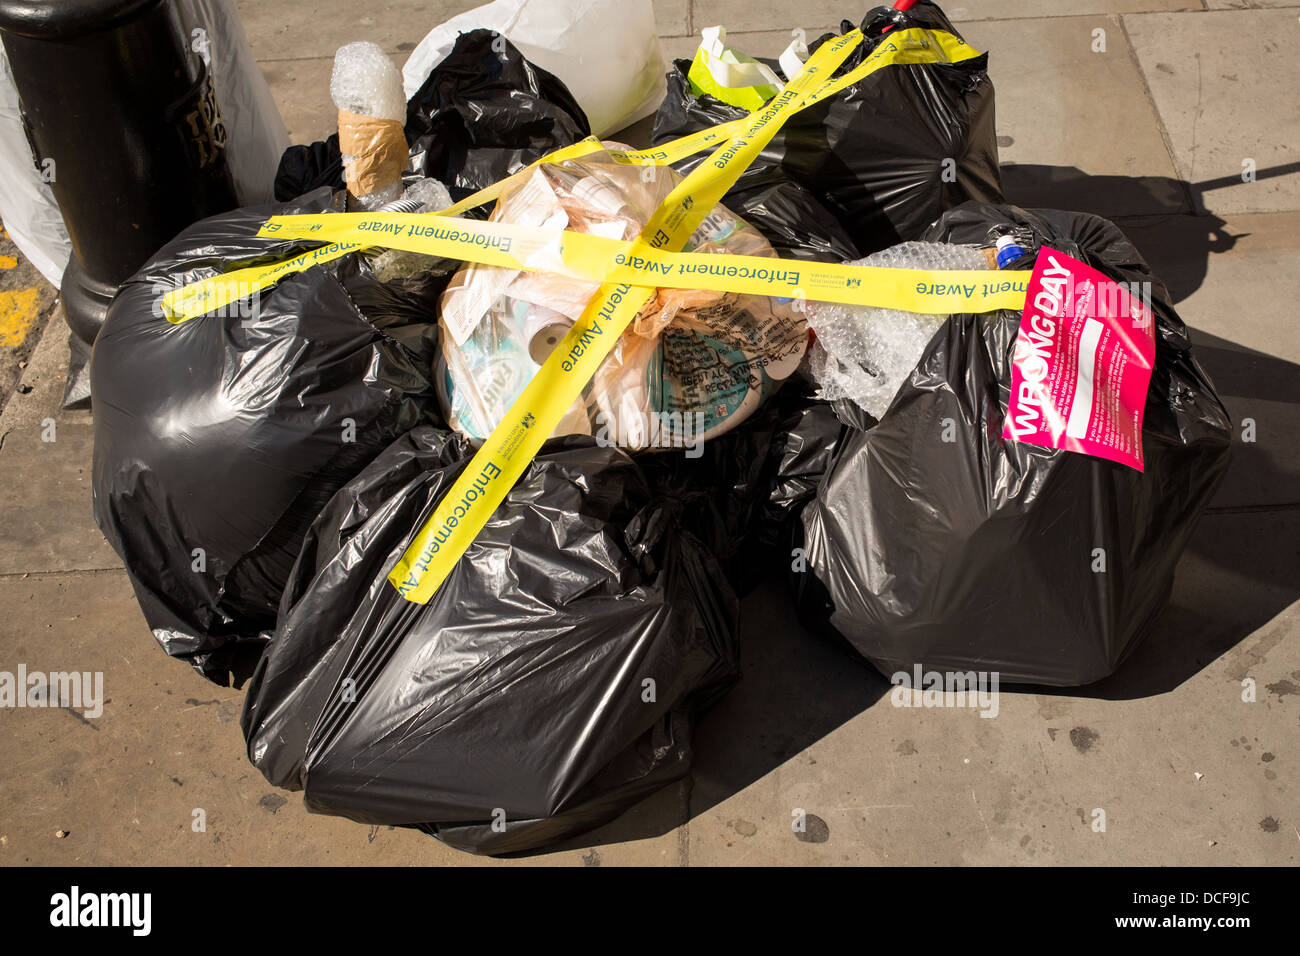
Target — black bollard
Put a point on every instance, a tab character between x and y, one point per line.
124	124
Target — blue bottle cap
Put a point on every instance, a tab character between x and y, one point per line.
1008	251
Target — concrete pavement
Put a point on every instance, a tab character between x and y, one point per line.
1151	121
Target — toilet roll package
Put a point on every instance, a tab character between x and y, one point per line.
694	364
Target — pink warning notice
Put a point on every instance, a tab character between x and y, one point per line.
1082	362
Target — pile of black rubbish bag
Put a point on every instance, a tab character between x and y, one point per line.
260	476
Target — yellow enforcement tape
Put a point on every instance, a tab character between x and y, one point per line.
664	155
599	259
499	463
216	292
915	45
627	273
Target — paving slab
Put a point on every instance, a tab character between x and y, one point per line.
1220	81
766	43
1232	276
1234	282
1249	4
45	455
673	17
759	15
931	786
45	497
1060	106
124	786
317	28
302	92
1265	468
1019	9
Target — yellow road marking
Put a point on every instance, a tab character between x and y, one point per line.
18	311
8	262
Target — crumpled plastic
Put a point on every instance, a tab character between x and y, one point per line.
693	364
862	353
367	89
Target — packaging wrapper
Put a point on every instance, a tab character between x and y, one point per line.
378	150
692	365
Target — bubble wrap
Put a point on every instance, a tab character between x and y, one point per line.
366	82
429	193
863	354
423	195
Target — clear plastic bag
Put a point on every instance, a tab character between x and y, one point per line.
693	364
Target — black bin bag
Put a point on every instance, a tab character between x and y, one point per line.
979	553
219	439
868	167
741	492
550	682
485	112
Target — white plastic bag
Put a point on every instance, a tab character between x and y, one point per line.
605	51
255	133
30	214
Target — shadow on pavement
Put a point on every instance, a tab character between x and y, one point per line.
1165	217
1242	566
796	688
